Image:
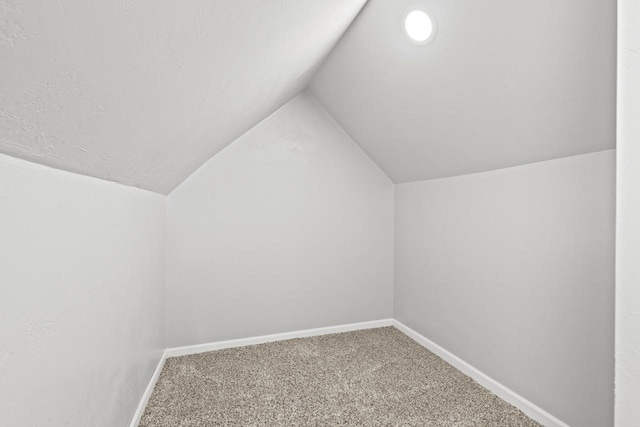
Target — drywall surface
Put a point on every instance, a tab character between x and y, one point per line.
81	296
144	92
288	228
513	271
503	83
628	218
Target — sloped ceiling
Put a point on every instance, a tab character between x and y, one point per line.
504	82
143	92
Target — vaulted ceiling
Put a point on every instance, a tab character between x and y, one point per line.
143	92
503	83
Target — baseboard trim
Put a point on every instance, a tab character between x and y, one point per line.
203	348
137	416
533	411
530	409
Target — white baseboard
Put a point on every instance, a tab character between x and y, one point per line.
147	392
531	410
202	348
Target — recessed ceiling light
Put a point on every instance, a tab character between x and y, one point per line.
419	26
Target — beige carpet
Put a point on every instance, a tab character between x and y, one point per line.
377	377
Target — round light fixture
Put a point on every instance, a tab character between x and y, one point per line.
419	26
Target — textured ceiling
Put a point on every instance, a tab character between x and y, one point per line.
144	92
504	82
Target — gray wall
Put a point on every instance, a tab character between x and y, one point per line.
288	228
513	271
81	296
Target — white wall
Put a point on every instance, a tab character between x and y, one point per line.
81	296
513	271
628	218
290	227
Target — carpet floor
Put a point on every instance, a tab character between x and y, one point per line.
375	377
